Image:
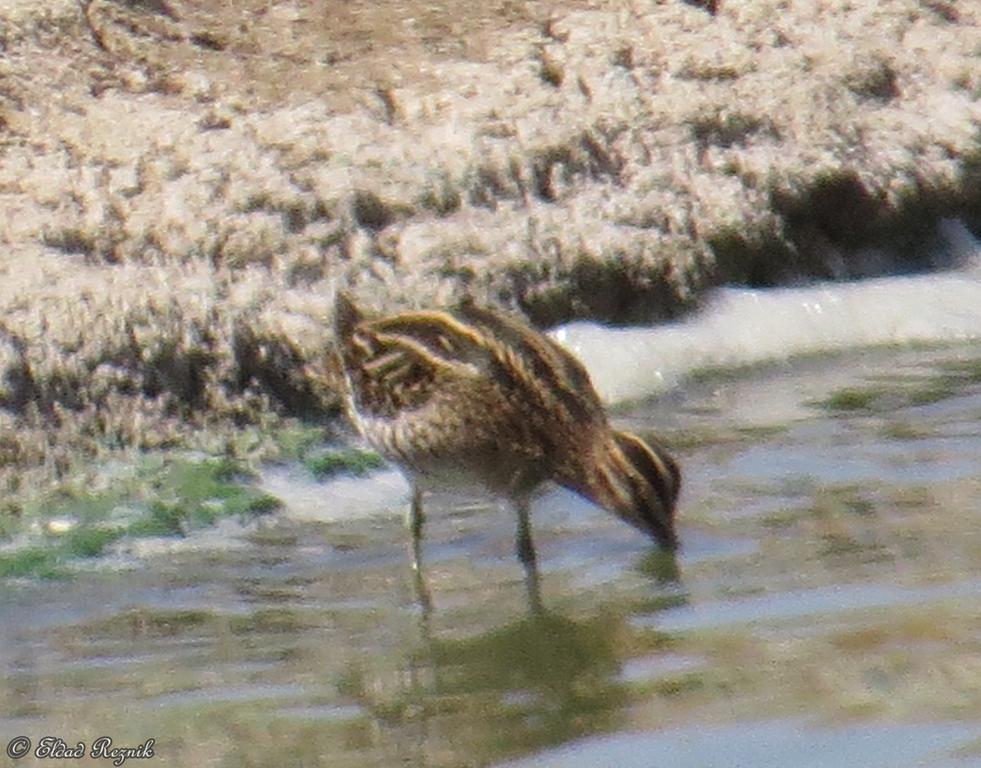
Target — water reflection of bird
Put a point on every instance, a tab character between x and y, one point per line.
476	397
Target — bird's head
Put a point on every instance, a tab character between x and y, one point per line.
638	481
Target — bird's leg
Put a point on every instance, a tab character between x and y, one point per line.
414	522
415	519
526	554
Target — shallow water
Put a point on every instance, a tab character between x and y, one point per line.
770	744
824	611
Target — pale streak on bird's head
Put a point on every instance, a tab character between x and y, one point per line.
639	482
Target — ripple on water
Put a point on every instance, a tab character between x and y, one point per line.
773	744
933	460
648	668
324	712
801	604
224	695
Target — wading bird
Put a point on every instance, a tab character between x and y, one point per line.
476	397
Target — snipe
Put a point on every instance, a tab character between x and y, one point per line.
477	397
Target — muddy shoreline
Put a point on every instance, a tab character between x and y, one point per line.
182	188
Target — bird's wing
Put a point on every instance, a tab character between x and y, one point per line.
399	363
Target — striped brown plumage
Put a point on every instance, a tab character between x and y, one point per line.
475	396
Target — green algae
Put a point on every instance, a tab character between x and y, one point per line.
349	461
883	393
161	497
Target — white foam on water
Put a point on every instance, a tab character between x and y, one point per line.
341	498
743	326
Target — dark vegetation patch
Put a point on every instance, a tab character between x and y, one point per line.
949	379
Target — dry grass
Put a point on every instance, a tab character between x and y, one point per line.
182	187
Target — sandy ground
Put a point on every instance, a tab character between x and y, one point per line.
183	185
